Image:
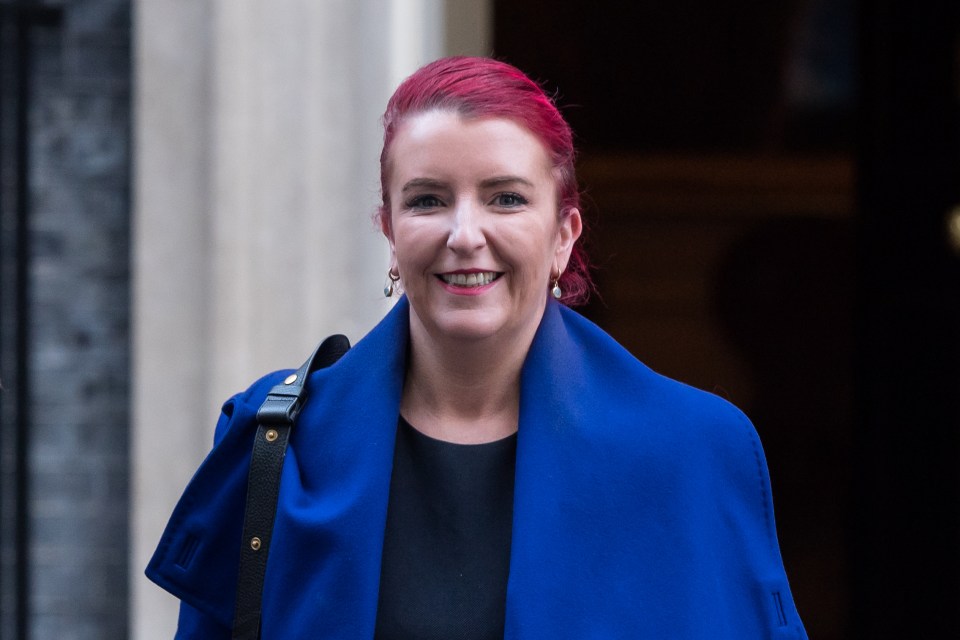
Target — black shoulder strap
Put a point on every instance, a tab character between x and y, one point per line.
275	417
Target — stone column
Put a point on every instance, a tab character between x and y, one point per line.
172	283
256	177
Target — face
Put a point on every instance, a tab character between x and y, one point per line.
475	230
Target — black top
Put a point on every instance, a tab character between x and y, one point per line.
446	550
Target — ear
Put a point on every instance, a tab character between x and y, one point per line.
570	228
383	217
388	234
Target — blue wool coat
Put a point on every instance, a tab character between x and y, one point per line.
642	506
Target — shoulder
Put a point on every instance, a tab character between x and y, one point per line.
620	406
700	436
241	408
610	379
635	413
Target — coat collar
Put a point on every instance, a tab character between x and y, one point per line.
331	514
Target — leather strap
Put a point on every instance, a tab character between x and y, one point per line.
275	418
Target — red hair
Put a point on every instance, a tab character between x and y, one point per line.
487	88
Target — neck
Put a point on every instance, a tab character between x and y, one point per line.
463	392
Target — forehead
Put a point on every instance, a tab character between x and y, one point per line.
437	143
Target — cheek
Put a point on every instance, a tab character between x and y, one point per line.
413	245
532	249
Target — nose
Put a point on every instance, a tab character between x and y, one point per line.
466	230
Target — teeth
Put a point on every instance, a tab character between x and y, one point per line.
469	279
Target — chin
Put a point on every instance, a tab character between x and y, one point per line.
470	325
468	330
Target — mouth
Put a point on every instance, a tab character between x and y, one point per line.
469	280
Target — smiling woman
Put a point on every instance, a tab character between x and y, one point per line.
476	237
486	463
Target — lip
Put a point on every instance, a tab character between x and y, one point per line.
462	290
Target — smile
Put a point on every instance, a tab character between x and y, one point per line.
469	279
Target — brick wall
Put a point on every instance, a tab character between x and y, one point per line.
79	354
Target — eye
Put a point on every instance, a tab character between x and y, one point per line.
509	200
426	201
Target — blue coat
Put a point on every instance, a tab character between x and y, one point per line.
642	506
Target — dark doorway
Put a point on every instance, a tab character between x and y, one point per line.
762	232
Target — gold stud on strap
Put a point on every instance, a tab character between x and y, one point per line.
271	435
255	543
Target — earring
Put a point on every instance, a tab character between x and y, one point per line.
393	280
556	288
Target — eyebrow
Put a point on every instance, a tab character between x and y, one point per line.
418	183
497	181
500	181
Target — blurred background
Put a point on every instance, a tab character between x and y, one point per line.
773	194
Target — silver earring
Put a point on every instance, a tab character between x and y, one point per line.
392	281
556	288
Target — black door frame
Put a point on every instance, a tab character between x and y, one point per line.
17	22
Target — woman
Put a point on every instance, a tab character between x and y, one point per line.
486	463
